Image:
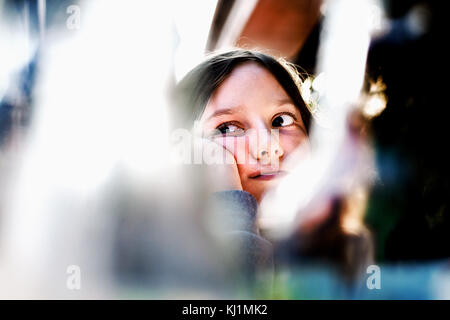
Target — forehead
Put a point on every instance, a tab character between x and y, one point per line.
249	86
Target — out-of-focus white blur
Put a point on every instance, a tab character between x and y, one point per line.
192	23
94	187
335	157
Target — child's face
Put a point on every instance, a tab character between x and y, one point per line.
250	109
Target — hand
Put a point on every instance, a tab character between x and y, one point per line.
220	166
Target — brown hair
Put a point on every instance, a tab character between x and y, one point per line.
193	92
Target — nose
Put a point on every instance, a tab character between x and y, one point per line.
265	146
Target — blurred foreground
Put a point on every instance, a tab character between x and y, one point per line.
92	205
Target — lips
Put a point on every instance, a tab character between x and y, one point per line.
262	175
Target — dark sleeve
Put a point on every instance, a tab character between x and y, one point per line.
239	209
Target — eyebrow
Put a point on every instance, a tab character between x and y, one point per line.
220	112
234	109
284	101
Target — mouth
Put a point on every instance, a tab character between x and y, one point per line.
268	175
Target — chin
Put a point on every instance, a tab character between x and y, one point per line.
258	191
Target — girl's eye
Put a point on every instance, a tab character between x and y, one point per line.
230	129
283	120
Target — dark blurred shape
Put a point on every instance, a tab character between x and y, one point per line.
279	26
307	56
348	254
221	13
409	205
16	108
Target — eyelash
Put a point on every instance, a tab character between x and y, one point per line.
227	124
288	113
237	124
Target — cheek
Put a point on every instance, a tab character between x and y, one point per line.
290	142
